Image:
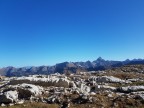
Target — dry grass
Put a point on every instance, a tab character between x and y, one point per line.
124	75
139	83
41	83
125	102
34	105
127	72
102	102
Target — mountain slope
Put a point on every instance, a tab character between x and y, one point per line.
68	67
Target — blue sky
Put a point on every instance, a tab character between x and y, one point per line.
45	32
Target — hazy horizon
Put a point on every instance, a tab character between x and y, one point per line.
35	33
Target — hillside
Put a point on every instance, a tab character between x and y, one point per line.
120	87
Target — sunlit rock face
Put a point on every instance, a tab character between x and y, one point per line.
9	97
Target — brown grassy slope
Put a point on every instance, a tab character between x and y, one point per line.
33	105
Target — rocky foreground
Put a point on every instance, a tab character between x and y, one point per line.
114	88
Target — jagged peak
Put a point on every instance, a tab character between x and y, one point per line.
100	58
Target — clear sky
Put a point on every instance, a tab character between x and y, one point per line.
45	32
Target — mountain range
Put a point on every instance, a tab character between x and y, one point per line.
68	67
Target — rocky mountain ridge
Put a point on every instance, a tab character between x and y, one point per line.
68	67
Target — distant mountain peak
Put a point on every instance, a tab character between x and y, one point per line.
98	64
100	59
